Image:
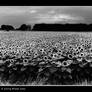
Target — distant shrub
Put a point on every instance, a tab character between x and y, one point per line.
24	27
7	27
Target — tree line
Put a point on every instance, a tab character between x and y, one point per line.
49	27
23	27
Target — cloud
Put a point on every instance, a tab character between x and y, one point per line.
32	11
17	15
59	17
4	11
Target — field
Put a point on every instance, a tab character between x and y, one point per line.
29	36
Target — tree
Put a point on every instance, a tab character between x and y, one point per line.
24	27
7	27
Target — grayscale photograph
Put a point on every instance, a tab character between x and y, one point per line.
45	45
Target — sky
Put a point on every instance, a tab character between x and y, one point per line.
18	15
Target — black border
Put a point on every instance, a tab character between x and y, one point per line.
43	88
45	3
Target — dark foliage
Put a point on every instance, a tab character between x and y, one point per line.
62	27
7	27
50	27
24	27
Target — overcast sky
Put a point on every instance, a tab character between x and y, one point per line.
17	15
